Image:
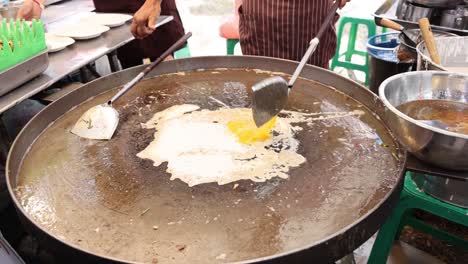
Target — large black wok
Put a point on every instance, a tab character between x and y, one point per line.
96	201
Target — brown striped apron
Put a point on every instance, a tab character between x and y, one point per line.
153	46
284	28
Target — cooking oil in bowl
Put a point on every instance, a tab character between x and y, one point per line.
453	114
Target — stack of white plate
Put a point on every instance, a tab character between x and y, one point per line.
89	27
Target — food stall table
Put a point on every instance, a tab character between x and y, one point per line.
75	56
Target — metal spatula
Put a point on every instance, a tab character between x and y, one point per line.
271	95
411	37
100	121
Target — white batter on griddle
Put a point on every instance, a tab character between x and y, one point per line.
199	148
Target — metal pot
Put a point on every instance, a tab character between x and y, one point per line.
401	9
455	18
437	34
437	146
449	190
410	50
453	55
437	3
414	12
10	10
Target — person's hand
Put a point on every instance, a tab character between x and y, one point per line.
29	10
144	20
343	3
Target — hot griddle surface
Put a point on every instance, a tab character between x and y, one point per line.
100	197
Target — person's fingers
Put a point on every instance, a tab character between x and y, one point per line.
22	13
141	31
144	22
343	3
147	31
29	11
137	26
133	28
153	18
36	12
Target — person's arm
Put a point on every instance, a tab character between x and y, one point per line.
343	3
144	20
31	9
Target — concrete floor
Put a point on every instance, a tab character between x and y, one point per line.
401	253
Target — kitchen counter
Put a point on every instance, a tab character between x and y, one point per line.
73	57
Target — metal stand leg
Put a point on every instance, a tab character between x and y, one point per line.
4	142
93	71
88	73
349	259
113	61
84	75
4	147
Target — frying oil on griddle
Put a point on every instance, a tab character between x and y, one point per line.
101	197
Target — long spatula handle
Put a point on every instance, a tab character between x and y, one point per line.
384	22
150	67
314	43
428	37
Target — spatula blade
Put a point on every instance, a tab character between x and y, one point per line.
99	122
411	37
269	98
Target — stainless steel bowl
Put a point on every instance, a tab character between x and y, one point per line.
453	55
455	18
10	10
437	3
401	8
437	146
415	12
417	32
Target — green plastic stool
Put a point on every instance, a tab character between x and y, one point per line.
182	53
351	49
414	198
231	44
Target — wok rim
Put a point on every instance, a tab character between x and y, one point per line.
400	166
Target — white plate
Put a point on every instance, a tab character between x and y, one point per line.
56	43
81	31
108	19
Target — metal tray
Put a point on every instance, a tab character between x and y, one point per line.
7	253
388	10
17	75
448	190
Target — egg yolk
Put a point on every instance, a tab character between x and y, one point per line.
247	132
